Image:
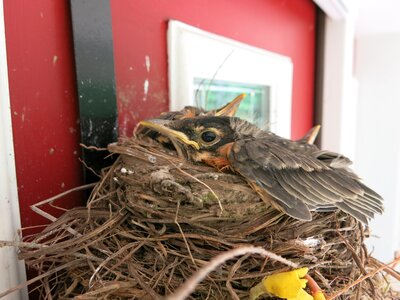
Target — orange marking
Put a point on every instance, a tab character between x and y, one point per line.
225	150
221	162
189	113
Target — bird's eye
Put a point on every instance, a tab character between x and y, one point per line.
208	136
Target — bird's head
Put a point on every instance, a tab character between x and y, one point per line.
203	138
206	133
188	112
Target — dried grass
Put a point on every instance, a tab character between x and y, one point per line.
154	220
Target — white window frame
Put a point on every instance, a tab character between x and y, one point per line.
195	53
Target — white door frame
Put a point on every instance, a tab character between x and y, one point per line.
339	99
12	271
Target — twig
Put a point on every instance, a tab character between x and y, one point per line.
369	275
183	235
89	168
233	270
190	285
109	286
39	277
21	245
359	263
390	270
36	209
196	98
92	147
216	73
35	206
144	286
100	185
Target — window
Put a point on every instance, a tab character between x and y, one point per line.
209	70
211	94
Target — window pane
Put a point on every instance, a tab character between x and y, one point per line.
212	94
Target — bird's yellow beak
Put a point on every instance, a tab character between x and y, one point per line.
230	109
159	126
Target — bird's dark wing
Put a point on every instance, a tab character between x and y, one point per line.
300	182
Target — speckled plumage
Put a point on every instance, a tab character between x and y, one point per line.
294	176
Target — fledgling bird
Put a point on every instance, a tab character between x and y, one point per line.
228	109
296	177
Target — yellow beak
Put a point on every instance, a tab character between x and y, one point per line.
159	126
230	109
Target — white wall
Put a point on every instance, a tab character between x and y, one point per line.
378	16
377	153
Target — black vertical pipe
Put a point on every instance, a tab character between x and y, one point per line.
94	61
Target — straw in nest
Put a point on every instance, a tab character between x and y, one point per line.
153	220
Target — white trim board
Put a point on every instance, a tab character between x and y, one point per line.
339	88
12	271
195	53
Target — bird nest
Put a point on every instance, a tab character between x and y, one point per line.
154	220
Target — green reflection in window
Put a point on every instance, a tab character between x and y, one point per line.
211	94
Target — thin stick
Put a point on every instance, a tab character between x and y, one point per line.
358	262
232	272
183	235
41	276
21	245
216	73
36	209
92	147
51	199
89	168
108	287
190	285
390	270
388	266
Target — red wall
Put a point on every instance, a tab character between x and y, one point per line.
42	80
139	28
43	102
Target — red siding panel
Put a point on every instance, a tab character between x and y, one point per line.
139	28
43	91
43	102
